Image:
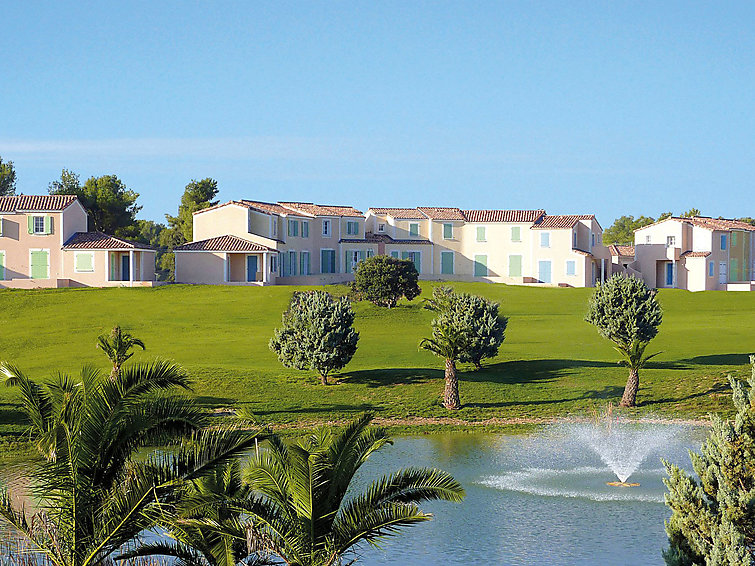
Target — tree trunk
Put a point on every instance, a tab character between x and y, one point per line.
451	393
630	391
323	379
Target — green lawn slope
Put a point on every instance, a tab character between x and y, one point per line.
552	363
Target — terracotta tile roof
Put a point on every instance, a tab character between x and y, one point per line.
560	221
35	203
582	252
223	244
402	213
372	238
503	215
323	209
695	254
270	208
617	250
101	241
441	213
717	223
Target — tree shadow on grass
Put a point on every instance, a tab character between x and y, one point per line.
720	360
607	393
356	408
714	389
12	416
394	376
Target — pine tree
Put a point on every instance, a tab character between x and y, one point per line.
317	334
713	517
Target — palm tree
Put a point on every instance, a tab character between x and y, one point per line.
635	359
94	494
448	343
297	511
117	347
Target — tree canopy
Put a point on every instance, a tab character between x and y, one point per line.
7	178
383	280
622	230
197	195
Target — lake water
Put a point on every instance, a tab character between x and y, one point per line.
531	500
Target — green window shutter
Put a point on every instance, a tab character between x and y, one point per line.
448	231
394	254
362	255
447	263
30	224
413	229
305	229
84	262
356	228
418	261
481	233
292	262
480	266
323	261
404	255
39	265
516	234
515	266
2	266
113	266
48	224
346	262
733	239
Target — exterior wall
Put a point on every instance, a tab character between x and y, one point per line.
16	244
232	219
144	268
200	267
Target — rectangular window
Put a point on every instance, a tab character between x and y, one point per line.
481	233
571	267
516	234
723	241
480	266
38	225
544	271
381	227
545	239
669	274
414	229
592	239
447	263
394	254
292	263
2	266
733	239
40	264
83	262
352	228
327	261
648	239
515	266
414	257
304	261
370	253
275	225
670	241
305	229
711	268
293	228
273	263
326	229
448	231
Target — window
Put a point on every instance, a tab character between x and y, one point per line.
515	266
83	262
711	268
326	231
40	224
481	233
370	253
414	229
648	239
516	234
305	229
394	254
274	225
352	228
592	239
448	231
574	240
571	267
545	239
414	257
273	263
544	271
670	274
327	261
447	263
293	228
381	227
670	241
480	266
40	264
723	241
292	263
352	259
304	268
733	239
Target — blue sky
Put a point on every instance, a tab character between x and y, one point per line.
605	107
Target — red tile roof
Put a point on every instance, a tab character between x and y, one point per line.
617	250
223	244
718	223
403	213
371	238
503	215
35	203
561	221
441	213
270	208
101	241
695	254
323	209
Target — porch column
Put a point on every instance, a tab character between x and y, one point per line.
603	269
131	267
265	266
225	267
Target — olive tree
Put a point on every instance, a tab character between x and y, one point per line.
626	312
316	334
713	514
383	280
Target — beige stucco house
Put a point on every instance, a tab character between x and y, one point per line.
697	254
44	243
257	243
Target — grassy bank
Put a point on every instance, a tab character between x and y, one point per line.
552	363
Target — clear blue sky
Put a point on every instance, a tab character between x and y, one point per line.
601	107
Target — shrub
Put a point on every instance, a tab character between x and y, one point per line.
383	280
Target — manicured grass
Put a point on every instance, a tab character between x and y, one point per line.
552	363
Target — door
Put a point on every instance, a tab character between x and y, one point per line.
125	268
723	273
251	268
669	274
544	271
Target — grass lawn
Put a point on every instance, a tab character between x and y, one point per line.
552	363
